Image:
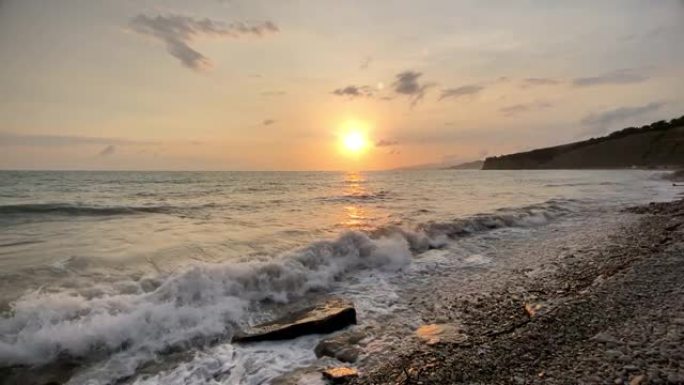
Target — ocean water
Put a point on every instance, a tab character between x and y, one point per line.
125	269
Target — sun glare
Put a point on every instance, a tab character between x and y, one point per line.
353	139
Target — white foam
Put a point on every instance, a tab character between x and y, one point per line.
203	301
134	320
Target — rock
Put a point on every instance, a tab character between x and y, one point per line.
433	334
605	338
532	308
675	378
332	315
613	354
58	372
637	380
630	368
673	227
340	374
341	346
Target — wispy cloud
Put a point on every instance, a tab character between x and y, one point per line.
178	31
386	143
407	83
14	139
455	93
354	91
625	76
533	82
524	107
599	122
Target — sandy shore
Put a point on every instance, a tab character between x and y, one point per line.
613	314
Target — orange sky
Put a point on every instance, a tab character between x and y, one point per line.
270	85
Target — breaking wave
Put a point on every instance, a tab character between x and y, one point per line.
209	301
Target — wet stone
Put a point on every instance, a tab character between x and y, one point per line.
433	334
340	374
342	346
327	317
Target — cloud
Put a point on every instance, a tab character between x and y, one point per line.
407	83
178	31
386	143
13	139
532	82
599	122
268	122
109	150
458	92
625	76
524	107
354	91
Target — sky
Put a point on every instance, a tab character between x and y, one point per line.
276	84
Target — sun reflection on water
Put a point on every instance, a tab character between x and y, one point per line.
356	216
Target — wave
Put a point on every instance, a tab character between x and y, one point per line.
359	197
204	301
209	301
69	209
581	184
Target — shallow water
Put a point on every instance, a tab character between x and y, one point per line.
131	265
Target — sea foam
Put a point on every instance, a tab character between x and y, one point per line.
209	301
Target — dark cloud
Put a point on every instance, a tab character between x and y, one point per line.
386	143
178	31
12	139
601	121
524	107
109	150
354	91
268	122
458	92
626	76
532	82
407	83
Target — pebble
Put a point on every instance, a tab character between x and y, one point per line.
637	380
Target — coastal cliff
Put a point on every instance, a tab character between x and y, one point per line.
660	144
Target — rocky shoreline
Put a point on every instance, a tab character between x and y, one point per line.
567	307
610	315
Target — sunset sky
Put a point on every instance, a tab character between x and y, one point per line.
275	84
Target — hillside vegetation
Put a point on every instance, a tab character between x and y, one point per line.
660	144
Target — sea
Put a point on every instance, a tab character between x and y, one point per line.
143	277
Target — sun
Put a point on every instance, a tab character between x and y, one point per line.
353	138
354	141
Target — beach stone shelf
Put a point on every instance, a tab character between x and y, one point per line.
326	317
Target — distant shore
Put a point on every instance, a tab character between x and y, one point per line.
610	315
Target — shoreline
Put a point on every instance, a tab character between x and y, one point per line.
531	316
612	315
